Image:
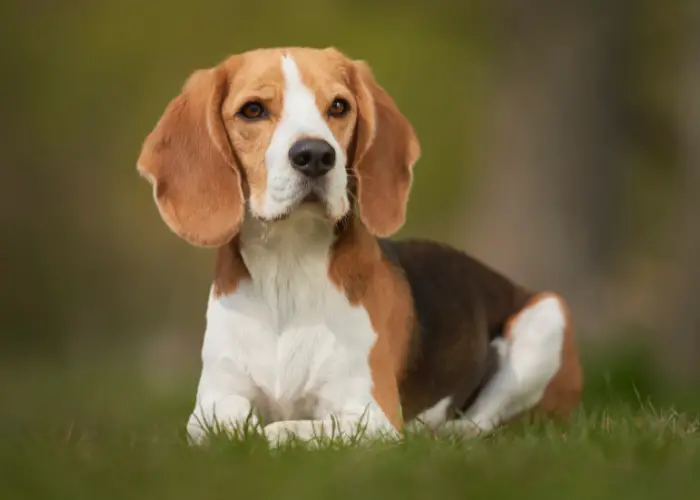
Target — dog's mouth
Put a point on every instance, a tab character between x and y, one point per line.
312	197
309	200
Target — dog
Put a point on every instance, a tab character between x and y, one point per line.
296	165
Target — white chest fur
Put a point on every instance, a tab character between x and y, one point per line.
287	344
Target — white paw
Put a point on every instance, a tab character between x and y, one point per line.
196	434
238	429
279	433
460	429
388	434
315	432
310	432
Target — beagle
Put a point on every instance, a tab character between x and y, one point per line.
296	165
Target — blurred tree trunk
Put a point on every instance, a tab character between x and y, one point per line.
546	203
680	320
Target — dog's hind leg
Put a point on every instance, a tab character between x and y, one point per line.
538	370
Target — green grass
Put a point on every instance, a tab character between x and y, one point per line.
100	437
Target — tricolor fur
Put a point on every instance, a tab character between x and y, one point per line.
315	323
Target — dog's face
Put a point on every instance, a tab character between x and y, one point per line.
272	129
290	120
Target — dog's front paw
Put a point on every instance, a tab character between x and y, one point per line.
280	433
199	431
310	432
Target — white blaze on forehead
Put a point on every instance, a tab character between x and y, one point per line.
301	118
300	113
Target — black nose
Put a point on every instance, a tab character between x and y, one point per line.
312	157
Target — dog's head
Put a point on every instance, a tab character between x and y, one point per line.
268	130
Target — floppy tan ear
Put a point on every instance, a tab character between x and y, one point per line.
386	149
189	161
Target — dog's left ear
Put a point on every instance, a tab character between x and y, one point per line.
386	148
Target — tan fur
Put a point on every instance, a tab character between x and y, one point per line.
327	73
188	159
230	269
368	279
563	394
387	148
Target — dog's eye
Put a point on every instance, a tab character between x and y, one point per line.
339	108
252	111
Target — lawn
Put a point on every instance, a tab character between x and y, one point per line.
96	436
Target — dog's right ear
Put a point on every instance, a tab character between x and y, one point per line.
190	163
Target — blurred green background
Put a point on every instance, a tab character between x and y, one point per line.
561	145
